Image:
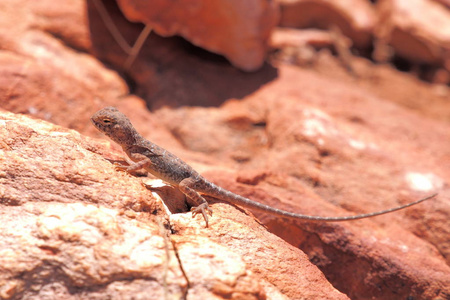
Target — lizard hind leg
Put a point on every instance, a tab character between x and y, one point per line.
202	207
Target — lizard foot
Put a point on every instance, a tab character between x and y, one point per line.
120	167
204	210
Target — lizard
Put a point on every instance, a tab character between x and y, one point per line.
162	164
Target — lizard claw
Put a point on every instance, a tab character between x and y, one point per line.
204	210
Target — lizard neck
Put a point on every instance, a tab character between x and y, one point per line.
126	137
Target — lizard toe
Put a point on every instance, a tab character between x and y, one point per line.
120	167
204	210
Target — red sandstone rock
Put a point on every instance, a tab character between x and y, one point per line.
418	30
334	143
355	18
301	46
288	37
236	29
33	57
315	141
70	221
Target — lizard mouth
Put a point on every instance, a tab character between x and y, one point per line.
95	122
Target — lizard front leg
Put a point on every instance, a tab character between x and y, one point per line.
185	186
133	166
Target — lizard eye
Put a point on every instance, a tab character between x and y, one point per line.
106	121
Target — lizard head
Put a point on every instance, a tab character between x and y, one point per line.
115	125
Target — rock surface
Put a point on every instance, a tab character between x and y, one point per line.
72	226
356	18
316	140
418	30
236	29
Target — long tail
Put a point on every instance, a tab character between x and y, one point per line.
226	195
